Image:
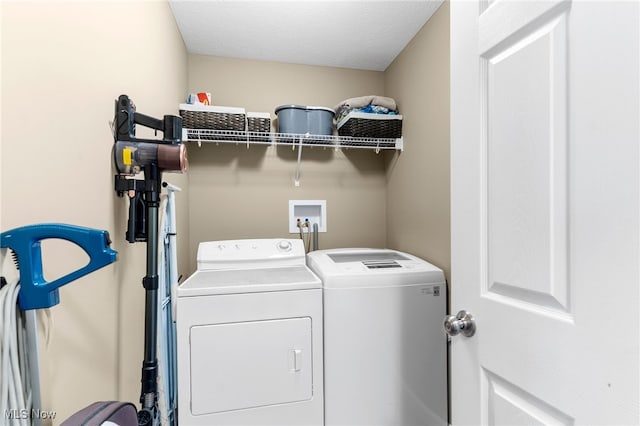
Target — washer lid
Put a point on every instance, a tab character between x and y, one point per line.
233	281
365	268
368	257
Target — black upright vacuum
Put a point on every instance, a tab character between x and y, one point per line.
151	157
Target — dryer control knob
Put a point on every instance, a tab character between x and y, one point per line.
284	245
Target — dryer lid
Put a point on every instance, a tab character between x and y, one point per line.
255	280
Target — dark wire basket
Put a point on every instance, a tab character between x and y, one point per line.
212	120
376	126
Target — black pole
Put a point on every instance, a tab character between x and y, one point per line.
149	394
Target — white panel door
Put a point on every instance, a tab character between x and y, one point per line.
545	128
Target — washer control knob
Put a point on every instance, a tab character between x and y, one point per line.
284	245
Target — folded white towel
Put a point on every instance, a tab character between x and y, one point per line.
384	101
363	101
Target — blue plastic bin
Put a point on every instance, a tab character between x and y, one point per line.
301	119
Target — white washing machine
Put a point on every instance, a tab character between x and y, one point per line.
249	331
385	352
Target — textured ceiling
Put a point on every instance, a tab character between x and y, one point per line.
365	34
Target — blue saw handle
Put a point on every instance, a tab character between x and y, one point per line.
35	292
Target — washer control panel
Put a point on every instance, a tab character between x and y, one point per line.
221	254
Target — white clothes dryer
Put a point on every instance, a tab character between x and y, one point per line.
385	352
249	336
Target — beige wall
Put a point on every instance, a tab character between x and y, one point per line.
418	179
62	67
237	192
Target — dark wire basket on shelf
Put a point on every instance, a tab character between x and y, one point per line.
257	124
212	117
368	125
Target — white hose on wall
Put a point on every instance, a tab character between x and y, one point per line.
15	392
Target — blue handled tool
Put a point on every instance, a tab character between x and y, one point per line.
35	291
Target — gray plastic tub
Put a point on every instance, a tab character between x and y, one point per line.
305	119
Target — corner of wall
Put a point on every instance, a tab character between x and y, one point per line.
418	198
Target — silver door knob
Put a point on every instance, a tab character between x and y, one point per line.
461	323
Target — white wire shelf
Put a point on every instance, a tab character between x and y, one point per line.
260	138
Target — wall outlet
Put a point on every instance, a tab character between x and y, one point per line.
314	210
